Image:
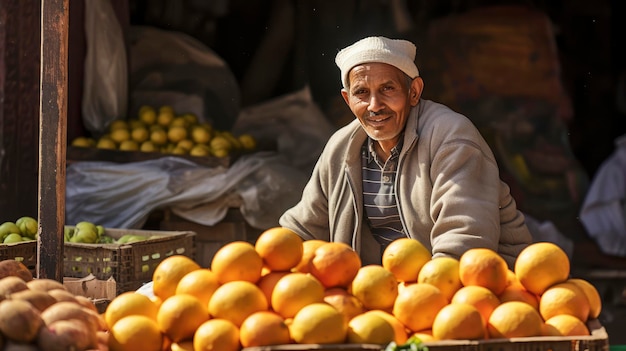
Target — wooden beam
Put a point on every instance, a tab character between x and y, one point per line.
52	137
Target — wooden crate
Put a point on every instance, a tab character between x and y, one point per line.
597	341
25	252
131	265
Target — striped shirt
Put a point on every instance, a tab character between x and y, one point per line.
379	194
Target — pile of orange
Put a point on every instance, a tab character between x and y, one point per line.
282	290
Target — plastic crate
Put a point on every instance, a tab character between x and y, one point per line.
130	265
25	252
597	341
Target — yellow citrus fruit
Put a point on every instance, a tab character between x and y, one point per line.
370	329
404	258
541	265
127	304
200	150
344	302
129	145
176	134
140	134
119	135
593	296
417	306
294	291
308	251
375	287
424	335
236	300
480	297
268	282
217	335
147	115
483	267
200	283
179	121
106	143
200	135
459	321
135	332
442	272
318	323
164	117
148	146
564	298
118	124
83	142
515	292
514	319
264	328
335	264
280	248
169	272
180	315
237	260
185	144
158	137
247	141
185	345
190	118
564	325
399	331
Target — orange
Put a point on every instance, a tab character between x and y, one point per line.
511	279
483	267
564	298
483	299
280	248
541	265
180	315
318	323
168	272
517	292
135	332
127	304
417	306
442	272
217	335
200	283
264	328
344	302
399	331
375	287
514	319
308	251
237	300
564	325
459	321
404	258
237	260
335	264
268	282
593	296
185	345
370	328
294	291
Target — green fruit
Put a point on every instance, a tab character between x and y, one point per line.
7	228
13	238
130	238
100	230
86	225
85	236
68	232
28	226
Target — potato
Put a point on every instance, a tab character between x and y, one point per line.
19	320
86	302
15	268
63	295
10	285
65	310
63	335
45	284
18	346
40	299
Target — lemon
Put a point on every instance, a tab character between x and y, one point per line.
135	123
179	151
166	108
200	150
106	143
247	141
120	135
140	134
185	144
191	118
220	142
118	124
148	146
129	145
179	121
147	115
176	134
158	137
165	117
220	152
200	135
234	142
83	142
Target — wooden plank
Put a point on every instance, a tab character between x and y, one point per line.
52	136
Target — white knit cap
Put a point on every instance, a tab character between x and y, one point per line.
396	52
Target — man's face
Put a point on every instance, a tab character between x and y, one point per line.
379	96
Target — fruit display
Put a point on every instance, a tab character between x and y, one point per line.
41	314
23	229
162	130
281	290
86	232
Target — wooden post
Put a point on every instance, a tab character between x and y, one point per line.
52	137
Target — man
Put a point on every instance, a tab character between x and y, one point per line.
406	167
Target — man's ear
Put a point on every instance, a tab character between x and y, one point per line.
415	91
344	93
